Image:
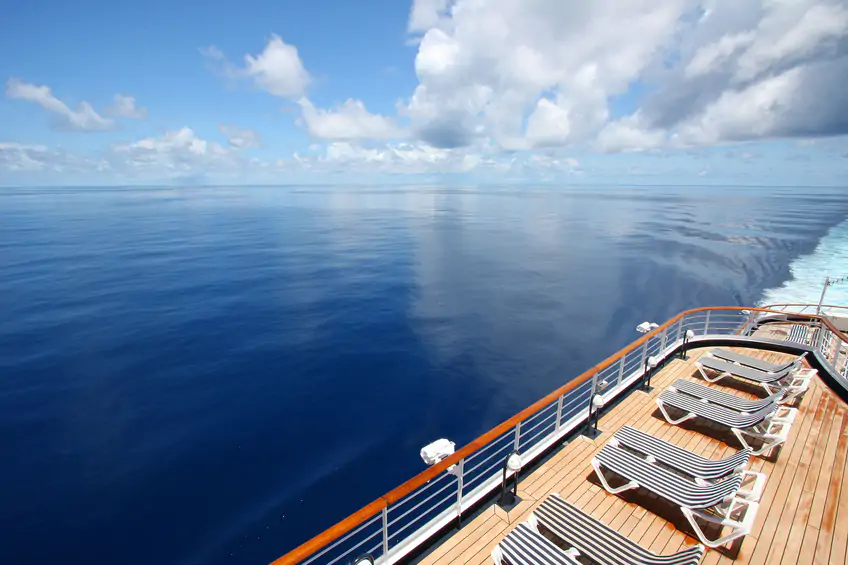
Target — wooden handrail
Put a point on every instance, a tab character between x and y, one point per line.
367	512
332	533
769	306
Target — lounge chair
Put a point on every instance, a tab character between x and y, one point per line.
526	546
678	458
770	424
600	543
791	381
732	401
754	363
716	503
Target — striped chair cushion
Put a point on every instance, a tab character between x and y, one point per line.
525	546
599	542
747	373
681	459
722	398
752	362
715	413
664	483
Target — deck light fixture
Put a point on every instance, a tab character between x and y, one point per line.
512	463
687	337
650	364
594	413
646	327
364	559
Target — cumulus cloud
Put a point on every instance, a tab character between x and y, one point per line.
84	118
18	157
348	121
484	66
125	107
173	153
546	73
239	138
277	70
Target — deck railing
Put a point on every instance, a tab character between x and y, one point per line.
797	308
401	520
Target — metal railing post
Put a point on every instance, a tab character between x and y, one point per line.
644	356
385	533
679	328
707	323
559	412
749	324
459	482
517	436
621	369
663	340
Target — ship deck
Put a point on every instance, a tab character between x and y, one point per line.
806	490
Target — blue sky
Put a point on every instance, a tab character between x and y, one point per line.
656	91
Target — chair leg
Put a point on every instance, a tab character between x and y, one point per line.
738	529
770	441
627	486
704	374
671	420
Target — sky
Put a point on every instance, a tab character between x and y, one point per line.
506	91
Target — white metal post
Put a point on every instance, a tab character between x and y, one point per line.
459	481
385	533
621	369
517	436
559	412
707	323
821	299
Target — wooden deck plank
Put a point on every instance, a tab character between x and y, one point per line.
806	492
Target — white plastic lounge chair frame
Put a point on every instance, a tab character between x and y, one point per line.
793	382
770	424
718	505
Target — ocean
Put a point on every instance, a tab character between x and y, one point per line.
214	375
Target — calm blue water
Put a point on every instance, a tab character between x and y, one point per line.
213	375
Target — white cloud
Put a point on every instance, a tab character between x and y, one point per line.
19	157
239	138
416	158
482	66
349	121
426	14
629	134
277	70
544	74
398	158
125	107
710	58
84	118
752	112
174	153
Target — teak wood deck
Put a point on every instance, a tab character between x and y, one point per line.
806	492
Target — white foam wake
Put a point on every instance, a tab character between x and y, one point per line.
808	272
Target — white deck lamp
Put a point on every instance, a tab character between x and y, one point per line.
364	559
646	327
687	337
650	364
595	406
512	463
